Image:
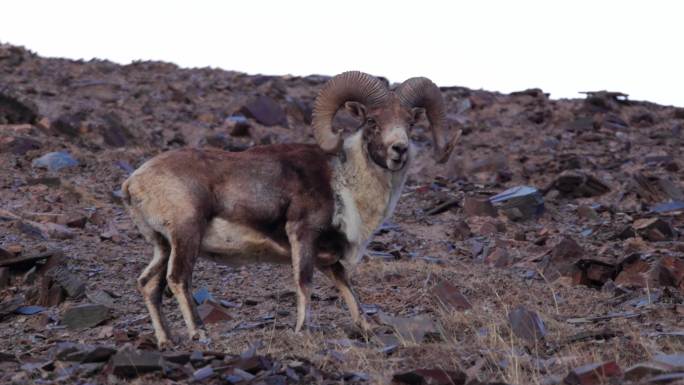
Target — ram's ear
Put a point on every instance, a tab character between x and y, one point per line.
358	110
418	113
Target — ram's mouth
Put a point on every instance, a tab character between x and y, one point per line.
395	165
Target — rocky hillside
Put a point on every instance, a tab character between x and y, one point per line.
548	250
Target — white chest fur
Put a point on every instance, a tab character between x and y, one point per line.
366	195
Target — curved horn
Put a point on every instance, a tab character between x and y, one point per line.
422	92
347	86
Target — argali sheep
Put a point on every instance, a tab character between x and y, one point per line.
304	204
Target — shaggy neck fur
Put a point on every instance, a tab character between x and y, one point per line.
365	194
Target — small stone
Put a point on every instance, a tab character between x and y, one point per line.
668	207
478	207
29	310
4	277
674	362
76	221
8	357
579	185
587	212
491	227
5	254
244	376
197	358
114	132
430	376
526	324
634	272
653	229
55	161
237	125
69	124
670	272
101	297
68	351
412	329
567	249
180	358
29	260
499	258
30	276
85	316
228	304
450	297
461	230
593	374
14	109
645	369
131	364
53	296
597	272
45	231
202	295
9	306
70	282
203	373
211	313
666	378
19	145
251	302
520	203
265	110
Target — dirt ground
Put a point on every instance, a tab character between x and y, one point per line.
598	278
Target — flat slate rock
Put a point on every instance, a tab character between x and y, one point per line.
85	316
265	110
133	364
26	261
55	161
526	324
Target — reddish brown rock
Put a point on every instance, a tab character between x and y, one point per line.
130	364
653	229
526	324
461	230
634	271
499	258
670	272
430	376
593	374
4	277
450	297
478	207
265	110
211	313
579	185
491	226
567	249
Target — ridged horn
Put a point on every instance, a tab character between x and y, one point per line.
347	86
422	92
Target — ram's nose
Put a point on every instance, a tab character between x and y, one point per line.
399	149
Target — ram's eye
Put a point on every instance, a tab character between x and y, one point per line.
371	122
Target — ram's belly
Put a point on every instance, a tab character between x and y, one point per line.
236	244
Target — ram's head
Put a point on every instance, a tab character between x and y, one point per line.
387	115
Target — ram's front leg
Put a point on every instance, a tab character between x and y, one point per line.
338	274
302	245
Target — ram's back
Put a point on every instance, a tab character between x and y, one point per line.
262	188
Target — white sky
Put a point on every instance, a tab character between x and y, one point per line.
563	47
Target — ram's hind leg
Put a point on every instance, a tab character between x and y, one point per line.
302	244
151	284
185	246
